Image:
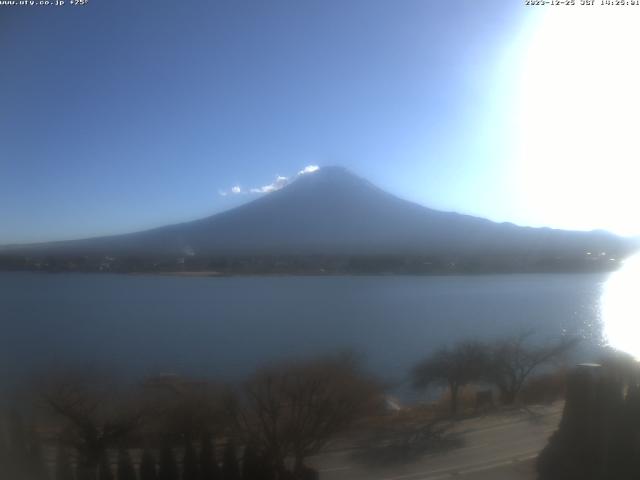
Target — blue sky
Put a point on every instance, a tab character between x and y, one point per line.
123	115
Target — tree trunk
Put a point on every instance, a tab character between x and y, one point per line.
86	471
301	471
298	467
454	398
508	396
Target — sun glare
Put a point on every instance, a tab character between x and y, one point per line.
578	119
620	308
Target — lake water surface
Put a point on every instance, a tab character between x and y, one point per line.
225	327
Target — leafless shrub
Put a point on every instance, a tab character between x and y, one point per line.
95	414
184	408
453	367
512	360
294	409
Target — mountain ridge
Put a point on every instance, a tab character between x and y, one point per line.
334	212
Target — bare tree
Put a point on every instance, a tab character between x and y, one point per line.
94	416
453	367
293	410
183	408
514	359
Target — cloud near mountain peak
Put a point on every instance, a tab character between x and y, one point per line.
279	182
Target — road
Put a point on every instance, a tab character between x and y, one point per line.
500	446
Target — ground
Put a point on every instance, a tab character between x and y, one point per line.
501	445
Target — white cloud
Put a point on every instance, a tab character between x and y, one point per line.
235	190
309	169
280	182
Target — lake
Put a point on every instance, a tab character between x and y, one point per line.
225	327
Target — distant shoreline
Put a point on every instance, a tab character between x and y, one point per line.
217	274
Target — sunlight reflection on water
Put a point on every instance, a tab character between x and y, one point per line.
620	308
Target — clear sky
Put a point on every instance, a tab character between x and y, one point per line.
122	115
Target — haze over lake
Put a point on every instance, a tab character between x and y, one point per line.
225	327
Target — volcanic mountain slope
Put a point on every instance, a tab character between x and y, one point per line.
335	212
